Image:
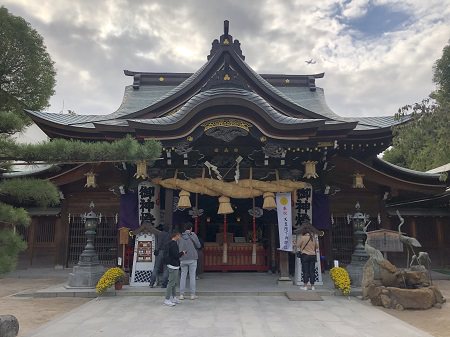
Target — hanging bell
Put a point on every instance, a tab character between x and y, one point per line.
269	200
141	169
310	169
358	180
224	206
184	201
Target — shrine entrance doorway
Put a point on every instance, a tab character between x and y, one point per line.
242	241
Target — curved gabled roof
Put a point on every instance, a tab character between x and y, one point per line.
289	100
226	94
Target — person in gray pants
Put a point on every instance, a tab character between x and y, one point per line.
189	243
161	241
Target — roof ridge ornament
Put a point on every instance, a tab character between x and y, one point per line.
226	40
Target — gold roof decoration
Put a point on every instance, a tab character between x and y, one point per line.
358	180
91	180
310	169
141	169
226	123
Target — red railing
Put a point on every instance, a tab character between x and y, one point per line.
239	257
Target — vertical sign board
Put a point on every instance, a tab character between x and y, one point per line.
143	260
303	211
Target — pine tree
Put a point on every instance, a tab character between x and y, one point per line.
27	80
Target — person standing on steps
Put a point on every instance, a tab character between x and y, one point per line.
307	247
189	242
162	240
172	256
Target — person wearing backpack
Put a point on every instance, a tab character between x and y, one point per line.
172	256
188	242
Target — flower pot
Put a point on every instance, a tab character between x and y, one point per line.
118	285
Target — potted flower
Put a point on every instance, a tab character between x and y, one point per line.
113	276
341	279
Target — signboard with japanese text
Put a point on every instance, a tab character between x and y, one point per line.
143	261
149	211
284	212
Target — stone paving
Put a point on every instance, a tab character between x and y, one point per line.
259	316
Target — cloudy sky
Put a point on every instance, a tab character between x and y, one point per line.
377	55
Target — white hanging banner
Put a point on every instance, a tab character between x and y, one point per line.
284	212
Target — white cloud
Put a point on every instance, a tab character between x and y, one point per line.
355	9
92	42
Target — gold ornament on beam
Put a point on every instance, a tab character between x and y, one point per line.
269	200
224	205
90	180
310	169
185	201
141	169
358	180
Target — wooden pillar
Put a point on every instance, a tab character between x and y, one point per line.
31	235
65	223
284	268
273	261
168	212
440	240
59	242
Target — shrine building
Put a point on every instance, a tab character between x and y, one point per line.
232	139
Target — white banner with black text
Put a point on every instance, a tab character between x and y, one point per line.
284	212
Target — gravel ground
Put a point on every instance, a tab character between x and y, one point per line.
33	312
434	321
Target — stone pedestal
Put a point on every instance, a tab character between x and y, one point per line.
88	270
355	271
85	276
359	259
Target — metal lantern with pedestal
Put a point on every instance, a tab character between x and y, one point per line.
359	256
88	270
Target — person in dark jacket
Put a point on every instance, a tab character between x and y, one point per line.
172	259
162	240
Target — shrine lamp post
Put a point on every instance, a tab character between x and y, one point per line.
89	255
359	256
88	270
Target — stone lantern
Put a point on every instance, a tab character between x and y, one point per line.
359	256
88	270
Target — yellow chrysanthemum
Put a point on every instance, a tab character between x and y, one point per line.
109	278
341	279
